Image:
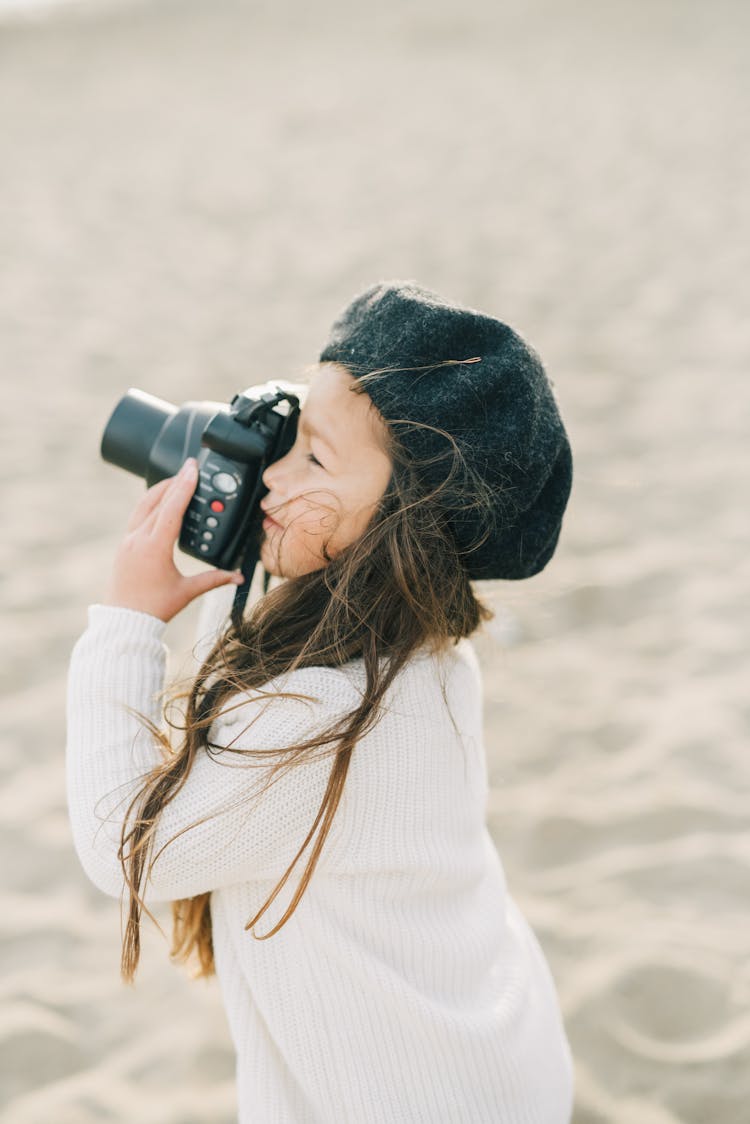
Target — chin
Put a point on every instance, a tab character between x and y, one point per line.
296	568
267	559
270	562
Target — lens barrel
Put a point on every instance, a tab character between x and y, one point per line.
133	429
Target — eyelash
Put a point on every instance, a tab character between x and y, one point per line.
314	459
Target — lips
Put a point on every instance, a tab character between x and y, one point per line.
268	519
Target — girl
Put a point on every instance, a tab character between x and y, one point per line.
397	981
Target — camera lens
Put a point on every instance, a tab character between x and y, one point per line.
132	430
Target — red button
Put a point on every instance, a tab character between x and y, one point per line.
217	505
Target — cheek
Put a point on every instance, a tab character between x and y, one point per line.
357	519
313	514
310	523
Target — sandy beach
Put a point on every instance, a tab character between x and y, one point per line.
191	191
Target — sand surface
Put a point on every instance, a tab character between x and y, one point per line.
190	193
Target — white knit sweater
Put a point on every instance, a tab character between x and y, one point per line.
407	986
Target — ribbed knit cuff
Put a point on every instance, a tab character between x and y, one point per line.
132	624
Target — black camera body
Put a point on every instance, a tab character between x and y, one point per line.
233	445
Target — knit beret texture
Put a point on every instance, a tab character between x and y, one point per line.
441	365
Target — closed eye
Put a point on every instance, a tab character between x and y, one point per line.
314	459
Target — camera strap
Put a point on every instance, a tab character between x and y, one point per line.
247	566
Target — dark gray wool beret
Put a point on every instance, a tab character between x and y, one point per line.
478	380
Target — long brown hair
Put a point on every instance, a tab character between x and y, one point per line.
402	584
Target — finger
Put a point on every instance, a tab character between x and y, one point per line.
168	515
212	579
148	503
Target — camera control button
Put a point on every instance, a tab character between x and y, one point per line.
224	482
212	522
205	547
207	535
217	505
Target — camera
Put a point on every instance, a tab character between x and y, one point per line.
233	446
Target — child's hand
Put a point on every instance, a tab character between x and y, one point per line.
144	575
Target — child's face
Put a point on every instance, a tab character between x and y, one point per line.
330	502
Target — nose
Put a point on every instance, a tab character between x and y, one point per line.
272	474
267	479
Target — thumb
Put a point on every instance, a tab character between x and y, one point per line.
212	579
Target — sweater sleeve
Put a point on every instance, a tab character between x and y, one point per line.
240	832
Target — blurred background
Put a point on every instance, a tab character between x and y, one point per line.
191	191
